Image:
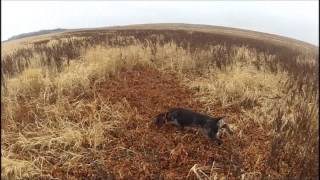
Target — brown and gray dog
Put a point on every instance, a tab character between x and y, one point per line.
212	127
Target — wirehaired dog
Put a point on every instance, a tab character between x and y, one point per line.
212	127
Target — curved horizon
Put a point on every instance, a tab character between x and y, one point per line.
296	20
50	31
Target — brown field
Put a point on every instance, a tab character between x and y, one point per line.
80	104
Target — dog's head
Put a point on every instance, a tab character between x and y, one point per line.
223	127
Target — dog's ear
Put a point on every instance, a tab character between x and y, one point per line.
220	121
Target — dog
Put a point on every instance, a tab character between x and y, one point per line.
212	127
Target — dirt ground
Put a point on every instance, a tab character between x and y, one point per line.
166	153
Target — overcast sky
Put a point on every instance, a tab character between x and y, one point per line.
296	19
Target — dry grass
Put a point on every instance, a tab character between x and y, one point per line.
17	169
56	124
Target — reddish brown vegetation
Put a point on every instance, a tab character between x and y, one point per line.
151	153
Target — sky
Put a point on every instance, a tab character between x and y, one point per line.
295	19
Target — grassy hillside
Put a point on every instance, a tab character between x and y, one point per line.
37	33
81	104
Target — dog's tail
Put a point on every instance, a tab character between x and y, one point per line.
160	119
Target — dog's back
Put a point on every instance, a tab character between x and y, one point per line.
212	127
186	117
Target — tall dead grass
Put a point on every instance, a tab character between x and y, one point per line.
48	121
